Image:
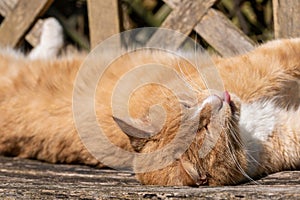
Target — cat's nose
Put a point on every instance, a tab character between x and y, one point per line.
226	97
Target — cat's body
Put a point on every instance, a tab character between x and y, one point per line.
260	131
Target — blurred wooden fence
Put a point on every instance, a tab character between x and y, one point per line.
21	21
210	24
198	15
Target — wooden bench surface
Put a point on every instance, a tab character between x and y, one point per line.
29	179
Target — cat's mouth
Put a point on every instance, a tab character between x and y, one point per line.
224	97
230	102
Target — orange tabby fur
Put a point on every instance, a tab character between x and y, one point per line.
36	119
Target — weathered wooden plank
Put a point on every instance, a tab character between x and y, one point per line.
286	18
222	35
16	23
33	37
219	32
6	6
173	3
183	18
103	20
27	179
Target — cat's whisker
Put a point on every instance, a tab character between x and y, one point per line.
249	154
187	78
235	159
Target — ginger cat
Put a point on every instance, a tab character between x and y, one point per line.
254	127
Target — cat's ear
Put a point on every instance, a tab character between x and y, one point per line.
141	130
138	131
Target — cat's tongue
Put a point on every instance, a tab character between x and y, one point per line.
226	97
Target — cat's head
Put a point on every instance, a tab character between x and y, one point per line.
214	154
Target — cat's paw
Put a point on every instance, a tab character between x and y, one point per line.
52	33
51	40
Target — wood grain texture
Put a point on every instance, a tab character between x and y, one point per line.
173	3
286	18
219	32
33	37
183	18
103	20
16	23
222	35
28	179
6	6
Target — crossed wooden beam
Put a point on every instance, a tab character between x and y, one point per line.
214	27
19	17
210	24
